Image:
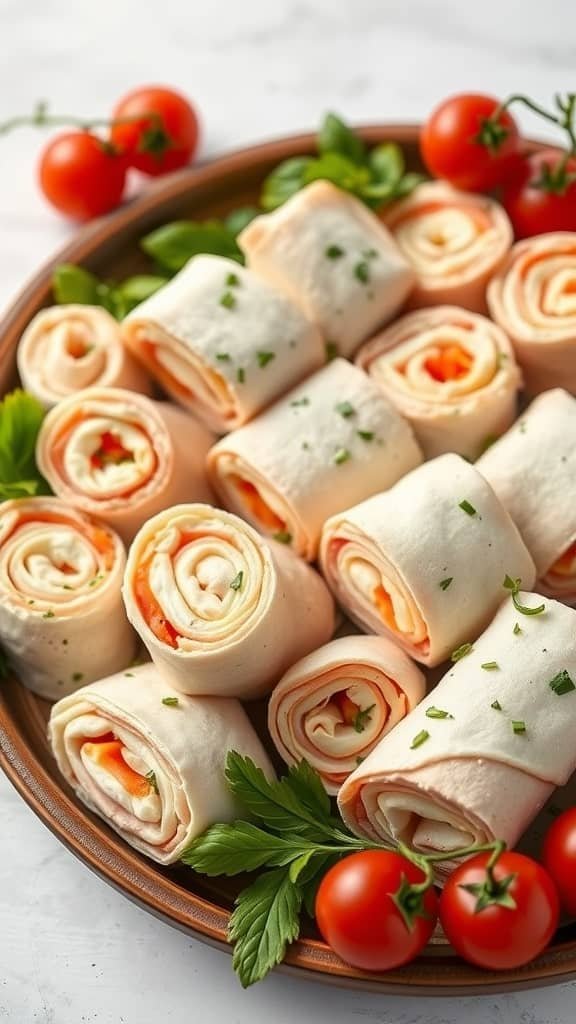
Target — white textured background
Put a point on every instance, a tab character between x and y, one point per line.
72	951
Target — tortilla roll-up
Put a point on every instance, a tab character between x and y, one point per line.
223	342
62	620
454	241
149	761
335	258
451	373
532	470
477	759
334	705
534	299
330	443
424	563
221	611
122	457
67	348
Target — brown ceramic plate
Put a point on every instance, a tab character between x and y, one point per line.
198	906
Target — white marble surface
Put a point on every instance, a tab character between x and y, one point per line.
71	949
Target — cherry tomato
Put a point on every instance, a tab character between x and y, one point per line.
451	146
357	916
81	175
542	196
163	142
559	857
500	936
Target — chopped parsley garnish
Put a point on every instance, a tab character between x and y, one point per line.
49	614
362	272
331	349
467	507
362	717
437	713
496	705
366	435
130	674
518	727
264	358
77	677
419	739
444	584
345	409
562	683
241	375
514	587
170	702
517	629
490	666
342	455
237	581
297	402
96	580
461	652
333	252
232	280
359	759
151	776
223	357
283	537
228	300
305	446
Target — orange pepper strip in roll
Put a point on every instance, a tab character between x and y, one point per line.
257	506
451	363
108	755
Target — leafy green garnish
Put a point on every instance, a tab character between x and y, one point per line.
336	137
21	416
73	284
172	245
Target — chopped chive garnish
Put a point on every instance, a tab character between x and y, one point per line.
296	402
461	652
362	717
228	300
241	375
362	272
305	446
437	713
345	409
170	702
419	739
223	357
562	683
96	580
467	507
49	614
237	581
77	677
264	358
517	629
331	349
518	728
333	252
151	776
490	666
283	537
496	705
514	587
366	435
359	759
522	426
444	584
232	280
130	674
342	455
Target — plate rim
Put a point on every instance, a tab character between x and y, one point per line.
90	839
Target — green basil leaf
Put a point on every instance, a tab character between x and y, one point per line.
387	163
172	245
284	181
134	290
239	219
407	184
72	284
20	418
265	920
336	137
339	170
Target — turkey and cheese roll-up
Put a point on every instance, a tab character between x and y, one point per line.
327	445
121	456
150	761
425	562
62	621
223	342
534	299
533	470
67	348
335	258
334	705
455	241
221	611
477	759
451	373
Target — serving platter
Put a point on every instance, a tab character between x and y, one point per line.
196	905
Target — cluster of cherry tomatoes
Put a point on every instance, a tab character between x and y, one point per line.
377	911
473	142
153	130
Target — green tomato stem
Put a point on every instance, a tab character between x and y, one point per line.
40	118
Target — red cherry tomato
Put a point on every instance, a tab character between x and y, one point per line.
542	197
451	146
497	936
357	916
559	857
81	175
161	143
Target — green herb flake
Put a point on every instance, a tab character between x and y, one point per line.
461	652
467	507
49	614
513	586
341	456
232	280
95	580
362	272
437	713
77	677
444	584
283	537
297	402
228	300
562	683
496	705
305	446
331	349
517	629
365	435
223	357
264	358
370	254
171	702
129	674
345	409
360	759
362	717
241	375
151	776
419	739
490	666
333	252
237	581
518	727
